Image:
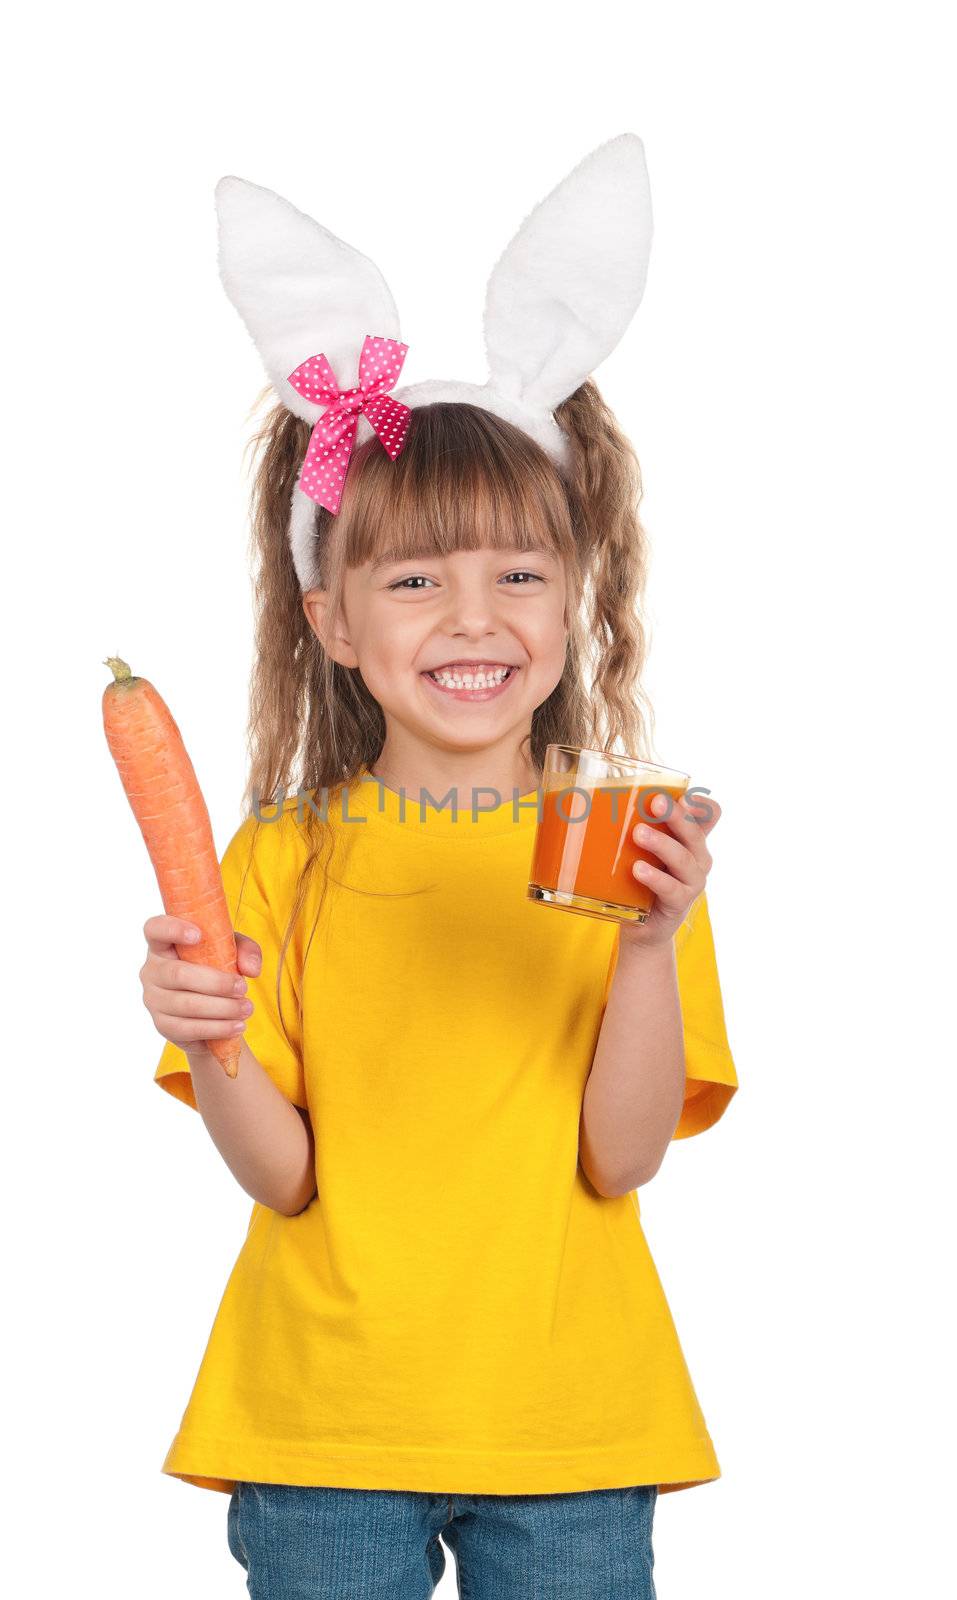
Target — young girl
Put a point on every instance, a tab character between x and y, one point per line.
444	1319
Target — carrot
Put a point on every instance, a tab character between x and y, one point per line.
168	804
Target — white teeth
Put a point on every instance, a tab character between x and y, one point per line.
470	680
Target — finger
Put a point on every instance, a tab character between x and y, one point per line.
704	809
681	861
668	889
686	824
182	1003
249	956
192	976
164	933
184	1031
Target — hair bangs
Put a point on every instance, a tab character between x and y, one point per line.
465	480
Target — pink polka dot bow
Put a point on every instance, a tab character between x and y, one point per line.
330	444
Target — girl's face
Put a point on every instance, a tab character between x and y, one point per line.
402	620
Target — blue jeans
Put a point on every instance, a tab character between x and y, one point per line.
383	1544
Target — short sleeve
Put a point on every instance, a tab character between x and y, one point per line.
710	1076
255	869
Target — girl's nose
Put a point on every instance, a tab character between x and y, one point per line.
473	613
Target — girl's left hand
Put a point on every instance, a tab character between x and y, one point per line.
683	873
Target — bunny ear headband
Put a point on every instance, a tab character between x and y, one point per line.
558	300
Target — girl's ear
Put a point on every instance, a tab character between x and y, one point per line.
565	289
299	290
315	603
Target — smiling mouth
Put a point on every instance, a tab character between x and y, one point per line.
463	691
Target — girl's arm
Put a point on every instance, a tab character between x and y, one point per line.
264	1139
635	1090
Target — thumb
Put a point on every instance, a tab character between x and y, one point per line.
714	818
704	809
249	956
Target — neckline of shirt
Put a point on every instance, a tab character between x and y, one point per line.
371	797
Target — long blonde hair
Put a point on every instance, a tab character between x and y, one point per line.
465	479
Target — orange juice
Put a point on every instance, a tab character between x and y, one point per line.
584	851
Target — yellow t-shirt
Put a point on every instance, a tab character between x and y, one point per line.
457	1310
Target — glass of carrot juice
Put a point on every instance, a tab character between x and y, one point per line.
591	803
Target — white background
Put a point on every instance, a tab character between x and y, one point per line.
789	385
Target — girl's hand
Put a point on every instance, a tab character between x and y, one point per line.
189	1003
685	862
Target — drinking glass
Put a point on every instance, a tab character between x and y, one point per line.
584	852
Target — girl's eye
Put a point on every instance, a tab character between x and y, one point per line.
416	576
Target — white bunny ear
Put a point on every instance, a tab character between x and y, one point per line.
565	289
299	290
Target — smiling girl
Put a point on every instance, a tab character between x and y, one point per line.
444	1323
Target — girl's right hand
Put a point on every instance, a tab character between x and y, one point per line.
189	1003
